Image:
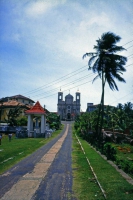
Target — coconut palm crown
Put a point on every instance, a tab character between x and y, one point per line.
105	61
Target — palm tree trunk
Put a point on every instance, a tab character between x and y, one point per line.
101	108
102	115
103	84
98	119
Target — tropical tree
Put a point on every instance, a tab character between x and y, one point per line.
13	114
128	108
107	64
22	121
53	120
1	109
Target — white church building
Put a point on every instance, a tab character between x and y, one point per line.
68	109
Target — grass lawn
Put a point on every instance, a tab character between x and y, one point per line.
14	151
84	183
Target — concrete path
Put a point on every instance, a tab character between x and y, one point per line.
47	178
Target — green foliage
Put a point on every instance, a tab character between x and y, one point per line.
54	121
131	134
110	151
125	165
22	121
12	115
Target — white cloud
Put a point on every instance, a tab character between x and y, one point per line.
38	8
100	20
79	37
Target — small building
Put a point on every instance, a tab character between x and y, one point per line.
7	103
37	112
91	107
68	109
6	106
19	98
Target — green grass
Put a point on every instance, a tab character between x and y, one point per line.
14	151
84	184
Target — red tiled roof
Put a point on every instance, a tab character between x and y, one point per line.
13	103
19	96
36	109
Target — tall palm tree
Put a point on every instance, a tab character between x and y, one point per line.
106	63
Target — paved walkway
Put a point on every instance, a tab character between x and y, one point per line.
47	177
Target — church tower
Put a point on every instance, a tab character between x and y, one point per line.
59	104
60	96
78	102
78	97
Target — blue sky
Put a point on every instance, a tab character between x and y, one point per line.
42	43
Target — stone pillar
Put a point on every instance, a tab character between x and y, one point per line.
43	124
30	125
37	124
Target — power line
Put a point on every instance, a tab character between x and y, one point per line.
79	79
130	47
127	43
49	84
130	58
129	55
66	84
59	79
122	97
129	65
66	89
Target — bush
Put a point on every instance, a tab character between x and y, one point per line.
125	165
110	151
22	121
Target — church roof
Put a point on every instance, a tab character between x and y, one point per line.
36	109
69	96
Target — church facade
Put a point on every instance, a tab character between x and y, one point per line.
68	109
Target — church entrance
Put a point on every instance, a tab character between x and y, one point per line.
68	116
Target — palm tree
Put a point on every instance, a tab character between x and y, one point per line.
128	108
107	64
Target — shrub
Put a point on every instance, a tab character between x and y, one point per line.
22	121
109	151
125	165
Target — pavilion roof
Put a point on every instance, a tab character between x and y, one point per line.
36	109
